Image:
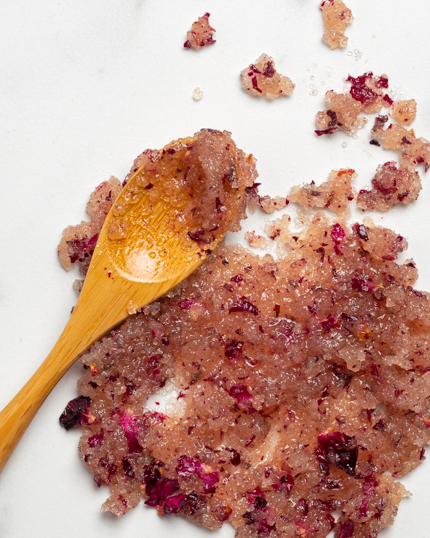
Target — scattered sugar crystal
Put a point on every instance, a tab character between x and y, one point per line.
131	309
197	94
262	78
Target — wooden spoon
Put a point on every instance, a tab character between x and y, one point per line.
142	252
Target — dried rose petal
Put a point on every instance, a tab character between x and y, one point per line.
129	423
76	412
242	304
337	449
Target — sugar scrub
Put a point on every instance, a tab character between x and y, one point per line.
336	19
391	184
404	112
262	78
302	385
201	33
78	242
368	94
336	193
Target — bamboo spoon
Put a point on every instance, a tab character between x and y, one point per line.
141	254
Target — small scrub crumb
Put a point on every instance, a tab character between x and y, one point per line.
197	94
262	78
201	33
270	205
78	285
78	242
404	112
390	186
367	94
336	19
256	240
413	151
336	193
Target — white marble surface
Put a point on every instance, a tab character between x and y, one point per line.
87	85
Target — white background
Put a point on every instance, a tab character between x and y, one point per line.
85	86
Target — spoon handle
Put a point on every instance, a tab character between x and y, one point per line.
18	414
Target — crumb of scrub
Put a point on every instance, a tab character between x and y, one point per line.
197	94
270	205
78	285
262	78
390	186
78	242
336	193
413	151
303	390
257	241
404	112
201	33
367	94
336	19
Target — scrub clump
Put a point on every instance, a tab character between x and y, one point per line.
337	17
392	184
302	386
368	94
404	112
262	78
201	33
206	180
78	242
335	194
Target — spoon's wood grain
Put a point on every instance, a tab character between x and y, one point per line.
109	295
